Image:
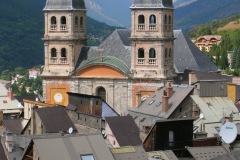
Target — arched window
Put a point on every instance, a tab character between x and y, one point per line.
76	20
141	19
152	53
53	20
101	92
140	53
166	53
81	21
63	52
152	19
63	20
170	20
170	53
165	22
53	52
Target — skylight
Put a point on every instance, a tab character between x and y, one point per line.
87	157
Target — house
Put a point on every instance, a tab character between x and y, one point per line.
212	108
205	43
68	147
170	102
10	106
33	73
129	153
51	120
89	110
174	134
122	131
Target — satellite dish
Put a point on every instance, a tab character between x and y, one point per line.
70	130
228	132
201	115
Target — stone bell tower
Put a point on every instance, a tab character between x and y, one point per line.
152	39
64	36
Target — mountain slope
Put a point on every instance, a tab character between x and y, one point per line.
204	11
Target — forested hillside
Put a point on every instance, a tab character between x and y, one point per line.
21	30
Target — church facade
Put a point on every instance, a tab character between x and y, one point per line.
129	66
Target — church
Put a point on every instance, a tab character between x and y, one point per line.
127	67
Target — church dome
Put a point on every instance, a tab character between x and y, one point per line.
152	4
64	5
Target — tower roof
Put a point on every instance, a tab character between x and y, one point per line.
152	4
64	5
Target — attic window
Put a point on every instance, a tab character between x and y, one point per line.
151	102
87	157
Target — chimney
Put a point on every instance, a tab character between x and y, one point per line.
33	120
10	94
192	78
9	142
138	94
164	102
169	88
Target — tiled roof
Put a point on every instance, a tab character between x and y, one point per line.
125	130
188	56
55	119
118	45
16	126
64	5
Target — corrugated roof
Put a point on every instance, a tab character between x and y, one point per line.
129	153
206	153
70	148
55	119
64	5
127	134
16	126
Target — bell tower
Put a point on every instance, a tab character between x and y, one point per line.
64	36
152	39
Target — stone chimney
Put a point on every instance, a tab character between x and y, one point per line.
192	78
10	95
33	121
165	101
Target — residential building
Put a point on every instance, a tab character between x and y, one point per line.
33	73
205	43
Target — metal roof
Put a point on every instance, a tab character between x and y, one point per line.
127	134
234	155
16	126
129	153
71	147
164	155
64	5
206	153
55	119
153	105
152	4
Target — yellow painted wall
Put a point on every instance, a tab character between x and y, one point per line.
231	89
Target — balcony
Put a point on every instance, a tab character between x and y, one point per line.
63	27
53	60
63	60
53	27
141	61
141	27
152	27
152	61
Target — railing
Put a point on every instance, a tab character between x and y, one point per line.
53	60
141	61
141	27
63	60
76	28
63	27
53	27
152	27
152	61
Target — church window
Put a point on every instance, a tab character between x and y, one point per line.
53	26
63	58
166	53
141	59
101	92
76	23
81	23
63	26
170	22
152	22
141	22
170	53
53	59
165	23
152	57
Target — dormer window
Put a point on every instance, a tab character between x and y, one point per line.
141	22
63	26
53	26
